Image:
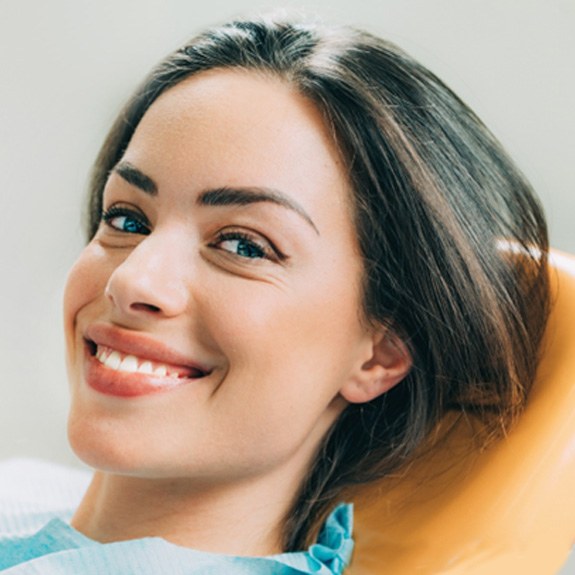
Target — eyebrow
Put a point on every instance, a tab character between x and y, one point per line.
136	177
224	196
244	196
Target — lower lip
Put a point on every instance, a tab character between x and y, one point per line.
123	384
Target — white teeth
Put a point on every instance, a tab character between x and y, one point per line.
161	371
129	363
146	368
102	354
113	361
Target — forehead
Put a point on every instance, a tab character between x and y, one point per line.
236	127
240	105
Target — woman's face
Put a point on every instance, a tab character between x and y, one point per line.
213	322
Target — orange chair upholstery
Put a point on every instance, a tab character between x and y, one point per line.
509	509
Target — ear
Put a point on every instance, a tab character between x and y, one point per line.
389	362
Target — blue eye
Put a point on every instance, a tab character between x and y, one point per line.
126	220
243	248
246	246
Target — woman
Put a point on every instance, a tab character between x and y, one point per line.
296	265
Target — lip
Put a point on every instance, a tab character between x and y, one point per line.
140	345
123	384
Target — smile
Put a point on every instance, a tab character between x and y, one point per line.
117	361
127	364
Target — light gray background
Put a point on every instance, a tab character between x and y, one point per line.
67	65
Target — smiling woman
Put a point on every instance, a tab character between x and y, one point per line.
294	270
197	269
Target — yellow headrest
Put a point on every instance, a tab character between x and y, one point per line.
509	509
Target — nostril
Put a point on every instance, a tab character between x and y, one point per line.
145	307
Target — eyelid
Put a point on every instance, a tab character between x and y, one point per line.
267	246
121	209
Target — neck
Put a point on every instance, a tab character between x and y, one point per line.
245	519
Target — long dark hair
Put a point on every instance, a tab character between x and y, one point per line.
453	240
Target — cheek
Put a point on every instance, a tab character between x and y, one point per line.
86	282
306	338
288	360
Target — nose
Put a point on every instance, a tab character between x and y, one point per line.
151	281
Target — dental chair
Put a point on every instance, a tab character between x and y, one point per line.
508	509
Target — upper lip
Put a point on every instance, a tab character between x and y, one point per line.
137	344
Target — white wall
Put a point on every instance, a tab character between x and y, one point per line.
66	66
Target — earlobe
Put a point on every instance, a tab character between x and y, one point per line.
389	363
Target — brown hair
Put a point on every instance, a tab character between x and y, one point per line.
435	196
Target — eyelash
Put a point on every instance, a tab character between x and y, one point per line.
121	212
266	249
263	248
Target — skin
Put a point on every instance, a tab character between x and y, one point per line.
274	319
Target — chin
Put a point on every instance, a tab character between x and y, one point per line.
101	447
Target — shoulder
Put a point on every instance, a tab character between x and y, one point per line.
37	499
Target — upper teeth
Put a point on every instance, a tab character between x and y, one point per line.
132	364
